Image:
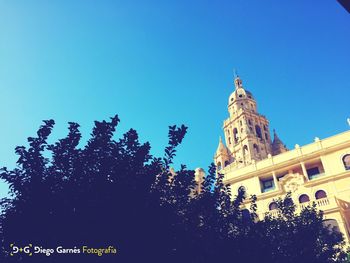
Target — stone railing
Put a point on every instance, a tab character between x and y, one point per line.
274	213
322	204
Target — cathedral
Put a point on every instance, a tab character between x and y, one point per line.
251	160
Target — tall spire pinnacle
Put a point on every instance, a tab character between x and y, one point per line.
235	74
277	145
221	147
237	79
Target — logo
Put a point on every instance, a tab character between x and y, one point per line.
26	250
31	250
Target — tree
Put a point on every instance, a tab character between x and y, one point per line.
113	192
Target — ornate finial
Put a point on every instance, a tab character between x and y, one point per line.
235	74
237	79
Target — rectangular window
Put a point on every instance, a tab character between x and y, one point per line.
313	172
267	185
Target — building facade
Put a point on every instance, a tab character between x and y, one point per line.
318	172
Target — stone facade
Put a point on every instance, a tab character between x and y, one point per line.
318	172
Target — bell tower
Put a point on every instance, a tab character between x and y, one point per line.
247	133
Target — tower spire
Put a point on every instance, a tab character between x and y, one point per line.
222	156
237	79
235	74
277	145
221	146
247	133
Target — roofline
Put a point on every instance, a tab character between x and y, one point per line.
291	157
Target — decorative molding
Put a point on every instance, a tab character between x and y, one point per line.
292	182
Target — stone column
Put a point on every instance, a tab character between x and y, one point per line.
275	181
306	177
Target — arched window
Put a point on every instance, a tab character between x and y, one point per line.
346	161
331	225
227	163
219	166
235	135
258	131
245	150
304	198
229	140
249	122
273	206
266	136
265	128
320	194
256	149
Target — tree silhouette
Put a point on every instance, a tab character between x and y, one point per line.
113	192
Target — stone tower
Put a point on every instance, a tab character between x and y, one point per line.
247	133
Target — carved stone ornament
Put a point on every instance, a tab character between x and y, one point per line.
291	182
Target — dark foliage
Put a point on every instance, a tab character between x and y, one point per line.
113	192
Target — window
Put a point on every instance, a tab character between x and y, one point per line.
229	140
304	198
313	172
266	136
235	135
267	185
249	122
258	131
346	161
219	166
280	176
265	128
320	194
273	206
227	163
245	150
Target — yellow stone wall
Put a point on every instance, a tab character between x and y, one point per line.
289	173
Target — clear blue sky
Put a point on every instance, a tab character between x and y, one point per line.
158	63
